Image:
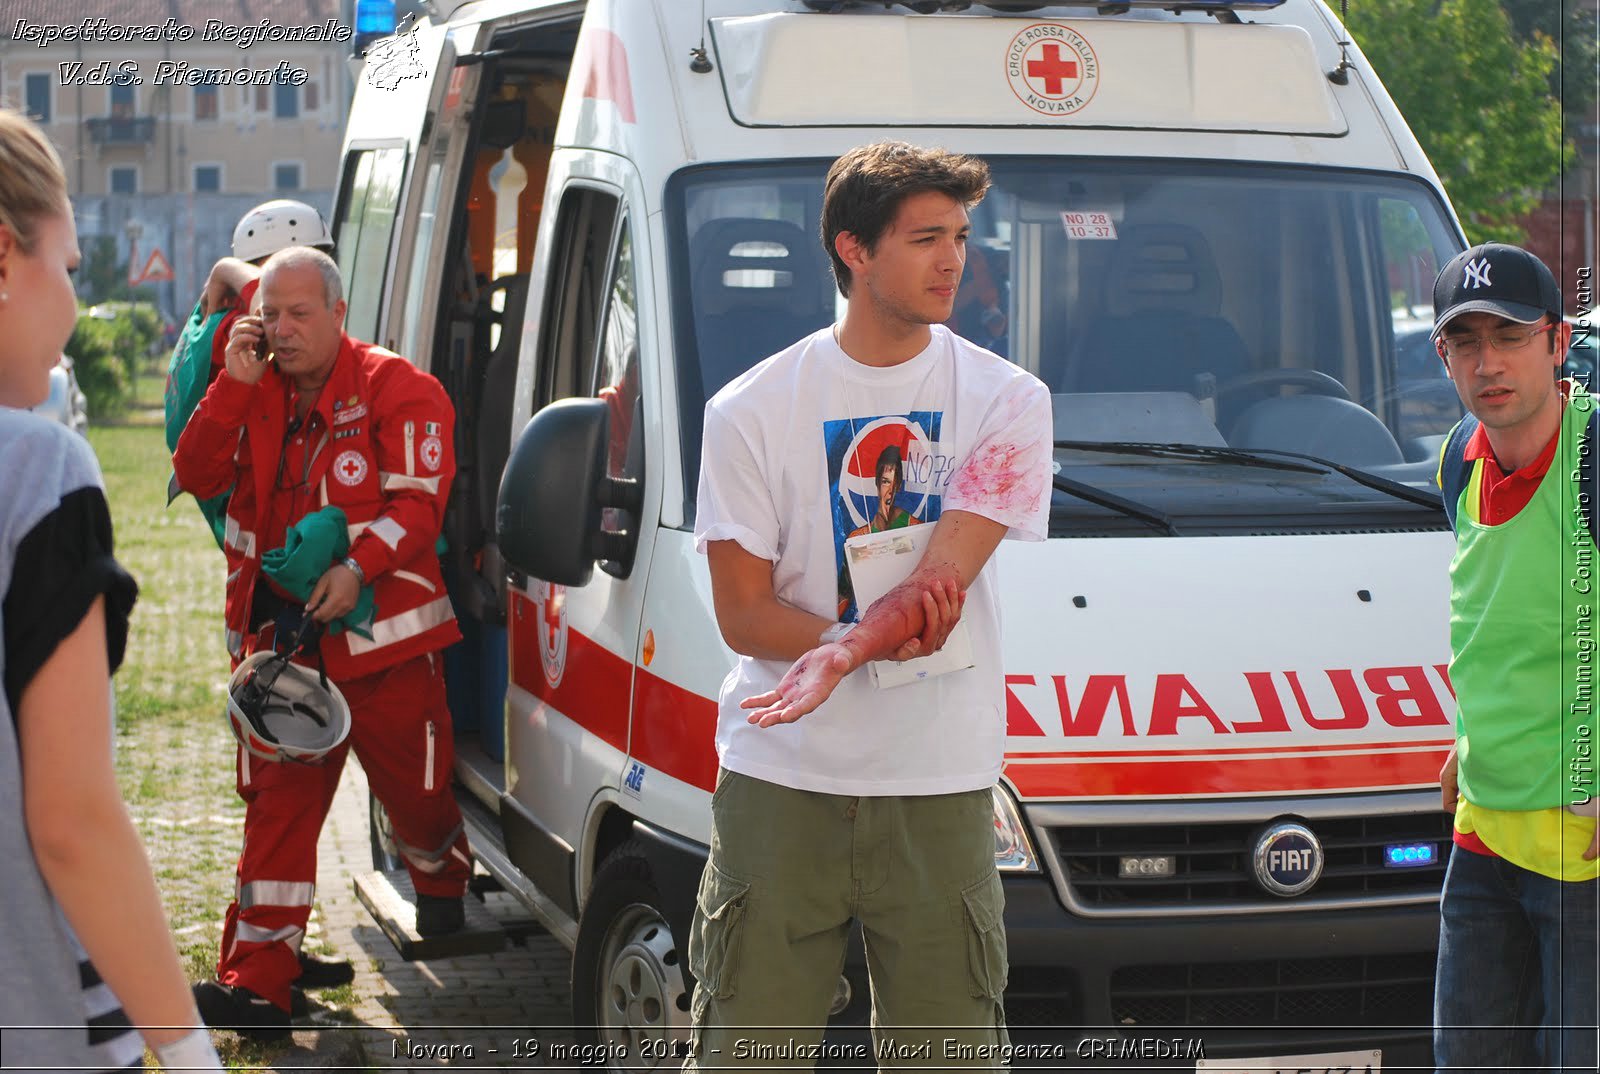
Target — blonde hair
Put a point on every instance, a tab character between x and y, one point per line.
32	184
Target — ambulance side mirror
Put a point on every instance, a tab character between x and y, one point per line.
548	517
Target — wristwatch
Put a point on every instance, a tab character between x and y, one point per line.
361	575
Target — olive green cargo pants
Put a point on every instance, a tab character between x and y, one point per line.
789	870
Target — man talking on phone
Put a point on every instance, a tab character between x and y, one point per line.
304	419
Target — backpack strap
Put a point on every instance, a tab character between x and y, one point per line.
1454	469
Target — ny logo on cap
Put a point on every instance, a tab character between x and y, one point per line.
1477	273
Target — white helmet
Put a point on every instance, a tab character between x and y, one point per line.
277	225
285	712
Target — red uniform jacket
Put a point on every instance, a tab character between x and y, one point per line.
380	435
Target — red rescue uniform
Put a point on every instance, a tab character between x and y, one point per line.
376	443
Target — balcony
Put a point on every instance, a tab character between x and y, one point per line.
122	130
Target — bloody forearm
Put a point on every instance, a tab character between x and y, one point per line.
897	616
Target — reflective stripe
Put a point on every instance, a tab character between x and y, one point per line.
411	448
234	577
322	487
276	893
427	761
391	482
398	628
388	531
240	540
356	529
244	769
245	932
322	442
419	580
430	862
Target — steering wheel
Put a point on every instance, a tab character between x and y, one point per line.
1310	379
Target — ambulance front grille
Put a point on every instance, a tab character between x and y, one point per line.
1213	870
1363	990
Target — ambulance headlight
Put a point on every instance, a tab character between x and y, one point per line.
1013	852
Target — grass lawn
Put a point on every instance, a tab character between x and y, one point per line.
174	750
175	754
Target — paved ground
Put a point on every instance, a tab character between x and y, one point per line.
506	1010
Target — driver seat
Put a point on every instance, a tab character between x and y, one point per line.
1163	328
1334	429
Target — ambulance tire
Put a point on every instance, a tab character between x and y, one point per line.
385	855
630	987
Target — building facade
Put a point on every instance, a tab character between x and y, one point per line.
173	117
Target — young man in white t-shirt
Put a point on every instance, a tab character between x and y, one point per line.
838	800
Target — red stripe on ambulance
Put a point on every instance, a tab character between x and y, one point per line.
593	691
1101	778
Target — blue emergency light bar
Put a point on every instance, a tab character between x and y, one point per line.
1410	855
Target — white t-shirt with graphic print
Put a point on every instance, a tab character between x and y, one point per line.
809	447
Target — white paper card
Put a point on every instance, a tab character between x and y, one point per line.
880	561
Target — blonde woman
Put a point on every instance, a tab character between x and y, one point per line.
85	953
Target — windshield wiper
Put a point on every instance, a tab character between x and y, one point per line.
1186	451
1267	457
1102	498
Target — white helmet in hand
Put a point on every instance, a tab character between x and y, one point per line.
285	712
278	225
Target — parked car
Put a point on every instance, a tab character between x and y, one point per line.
66	402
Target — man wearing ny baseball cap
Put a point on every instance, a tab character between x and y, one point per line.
1517	942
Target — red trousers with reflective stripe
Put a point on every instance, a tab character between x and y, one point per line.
400	731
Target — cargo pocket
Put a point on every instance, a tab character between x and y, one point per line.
985	904
714	940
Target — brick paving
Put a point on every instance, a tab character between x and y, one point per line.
506	1009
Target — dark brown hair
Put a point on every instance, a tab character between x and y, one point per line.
866	186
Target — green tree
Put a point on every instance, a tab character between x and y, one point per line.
105	278
1571	25
106	351
1477	98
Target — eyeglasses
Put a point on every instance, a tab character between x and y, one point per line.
1505	339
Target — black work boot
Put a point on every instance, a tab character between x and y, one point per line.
440	916
324	972
241	1010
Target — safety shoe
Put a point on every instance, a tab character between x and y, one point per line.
440	916
241	1010
324	972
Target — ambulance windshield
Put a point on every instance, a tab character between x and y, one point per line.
1219	305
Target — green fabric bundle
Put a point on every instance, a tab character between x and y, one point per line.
310	547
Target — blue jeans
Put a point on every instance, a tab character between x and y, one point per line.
1516	983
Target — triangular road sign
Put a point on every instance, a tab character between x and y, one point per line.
156	269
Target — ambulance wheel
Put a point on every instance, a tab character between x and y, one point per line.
629	989
385	854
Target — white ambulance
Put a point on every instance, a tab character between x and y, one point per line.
1227	697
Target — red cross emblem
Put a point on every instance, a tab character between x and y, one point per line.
350	468
1052	68
553	606
551	602
432	452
